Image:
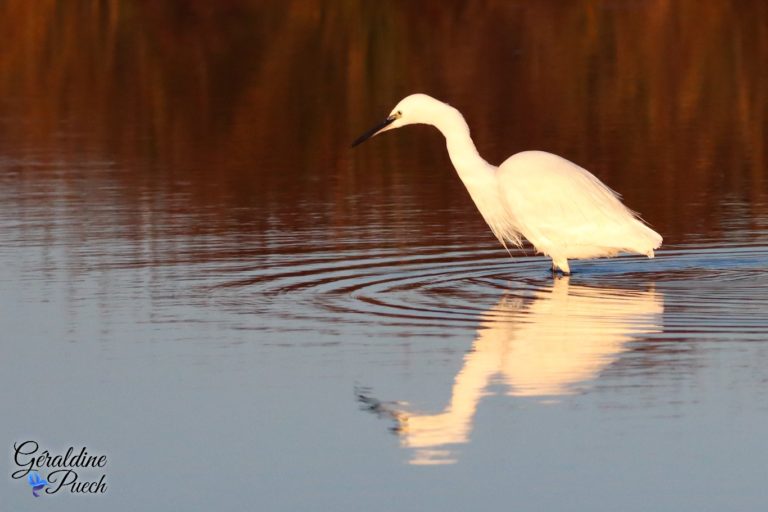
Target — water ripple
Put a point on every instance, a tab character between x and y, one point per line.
706	289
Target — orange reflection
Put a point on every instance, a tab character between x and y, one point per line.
550	347
255	103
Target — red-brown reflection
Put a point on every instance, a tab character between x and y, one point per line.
253	104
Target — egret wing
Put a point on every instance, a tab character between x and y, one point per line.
563	209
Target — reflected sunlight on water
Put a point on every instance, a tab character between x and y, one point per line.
544	346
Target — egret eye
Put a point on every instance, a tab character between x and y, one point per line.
398	114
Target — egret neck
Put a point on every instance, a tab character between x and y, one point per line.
478	176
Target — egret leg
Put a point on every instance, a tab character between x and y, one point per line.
561	264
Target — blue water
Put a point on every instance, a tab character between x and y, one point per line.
443	375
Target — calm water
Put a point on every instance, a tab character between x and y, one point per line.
200	280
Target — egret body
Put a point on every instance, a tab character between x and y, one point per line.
561	208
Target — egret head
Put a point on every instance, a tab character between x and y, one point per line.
413	109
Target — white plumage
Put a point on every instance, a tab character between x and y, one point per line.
561	208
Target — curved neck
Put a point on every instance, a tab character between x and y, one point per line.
478	176
462	151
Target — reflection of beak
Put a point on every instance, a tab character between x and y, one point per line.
373	131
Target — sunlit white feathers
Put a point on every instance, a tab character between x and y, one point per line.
561	208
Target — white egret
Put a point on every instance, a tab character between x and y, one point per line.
561	208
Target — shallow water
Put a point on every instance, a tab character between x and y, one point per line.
201	281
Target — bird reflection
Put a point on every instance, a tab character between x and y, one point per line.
548	347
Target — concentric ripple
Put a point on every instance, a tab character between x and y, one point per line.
705	290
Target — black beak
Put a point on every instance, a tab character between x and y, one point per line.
373	131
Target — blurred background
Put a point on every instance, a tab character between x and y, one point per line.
241	103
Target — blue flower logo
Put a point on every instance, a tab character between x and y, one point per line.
37	482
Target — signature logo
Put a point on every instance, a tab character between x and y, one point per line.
37	482
76	471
